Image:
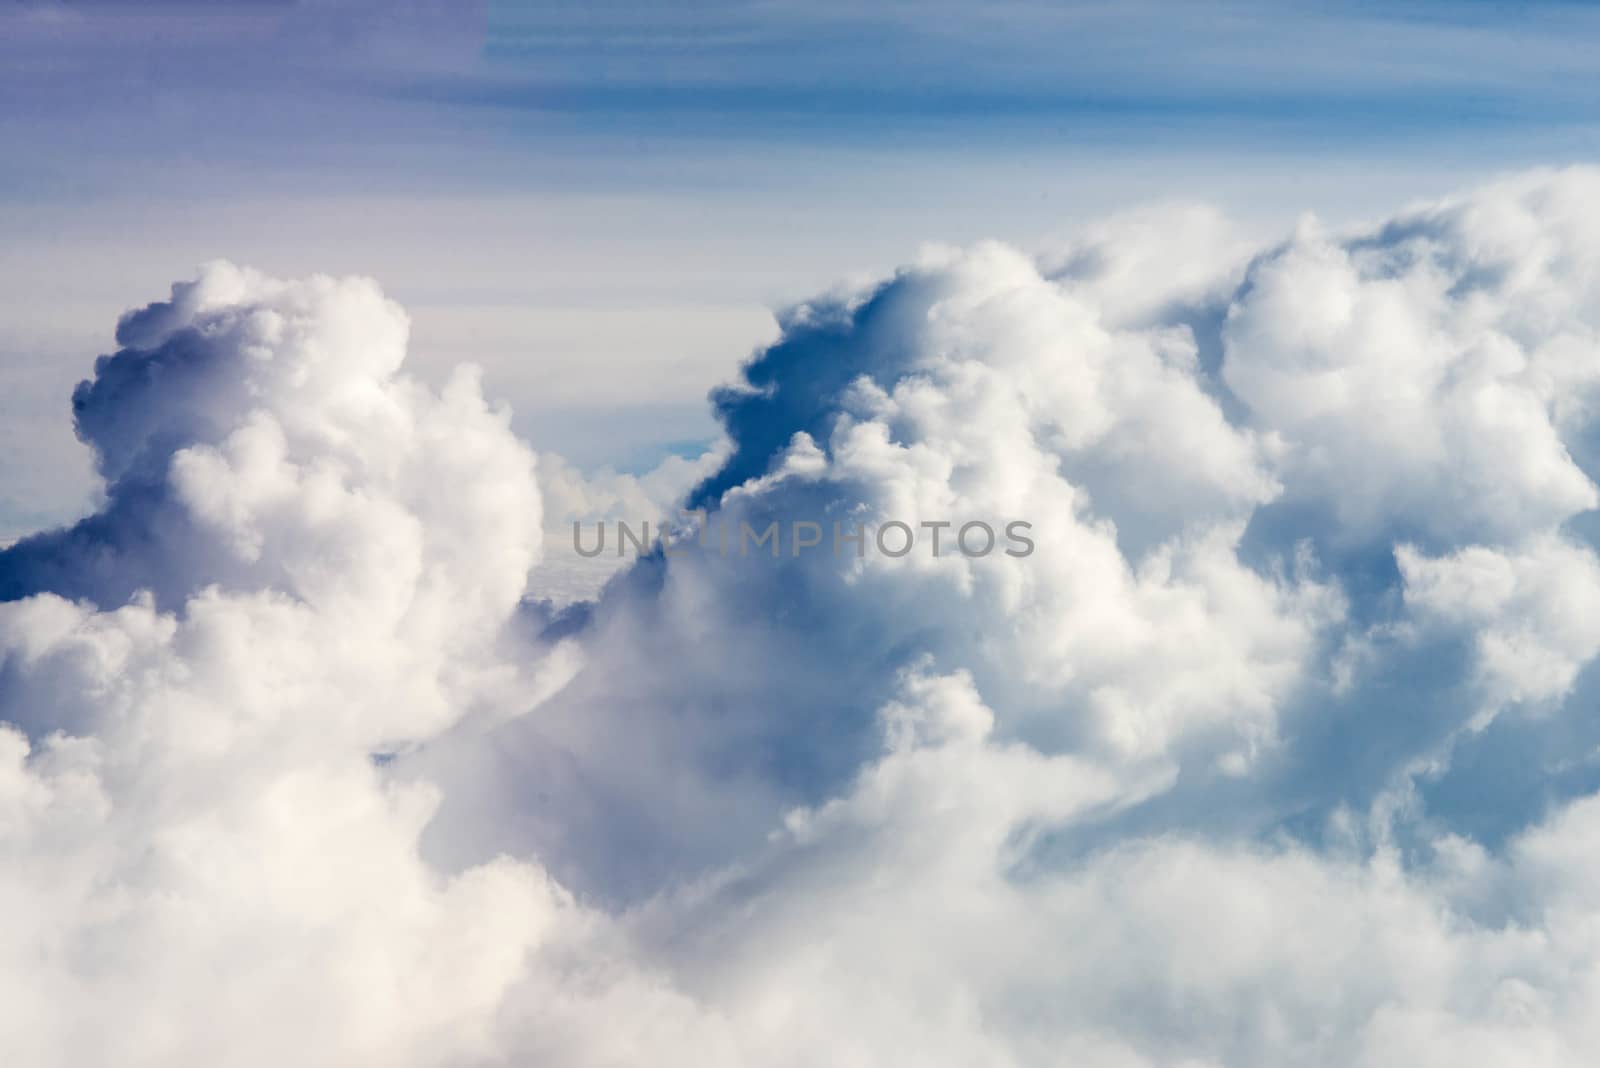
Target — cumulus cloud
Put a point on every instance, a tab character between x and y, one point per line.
325	555
305	758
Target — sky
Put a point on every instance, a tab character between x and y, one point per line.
1261	340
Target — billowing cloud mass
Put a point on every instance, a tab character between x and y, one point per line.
1276	749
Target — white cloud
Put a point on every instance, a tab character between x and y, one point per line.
203	862
1529	612
1422	376
300	767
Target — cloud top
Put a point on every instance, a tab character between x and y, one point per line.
1273	751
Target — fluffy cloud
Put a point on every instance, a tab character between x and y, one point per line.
1425	378
202	860
306	760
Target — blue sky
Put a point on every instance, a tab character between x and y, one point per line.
436	77
1360	71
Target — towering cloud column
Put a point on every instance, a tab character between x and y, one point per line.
305	560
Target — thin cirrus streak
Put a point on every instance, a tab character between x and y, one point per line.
1273	751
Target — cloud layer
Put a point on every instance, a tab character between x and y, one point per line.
1274	751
